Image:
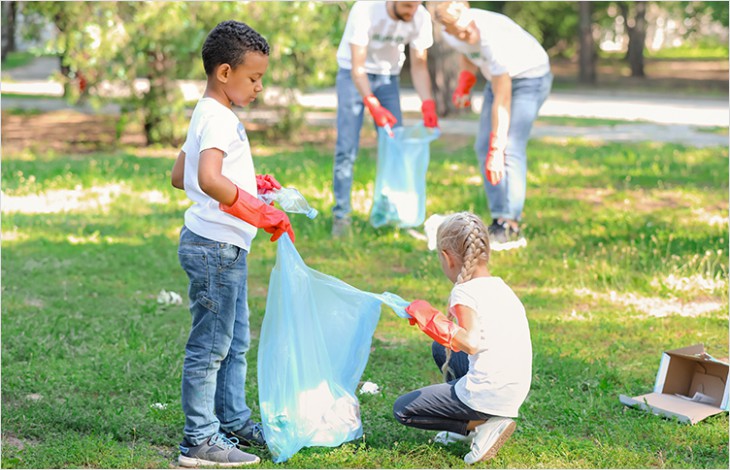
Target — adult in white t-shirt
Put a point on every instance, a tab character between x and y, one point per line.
370	58
517	70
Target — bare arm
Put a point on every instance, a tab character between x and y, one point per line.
466	339
419	74
178	171
359	76
467	64
501	108
211	179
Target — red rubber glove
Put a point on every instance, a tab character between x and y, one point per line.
433	323
259	214
428	109
494	167
381	115
266	183
461	97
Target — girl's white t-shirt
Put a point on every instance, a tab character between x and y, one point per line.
504	47
214	125
370	25
500	372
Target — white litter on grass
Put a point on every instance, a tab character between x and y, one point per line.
431	227
691	283
417	235
513	245
370	388
169	298
159	406
654	306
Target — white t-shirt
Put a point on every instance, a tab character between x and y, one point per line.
500	373
213	125
504	47
370	25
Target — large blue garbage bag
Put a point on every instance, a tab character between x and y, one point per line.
314	345
400	181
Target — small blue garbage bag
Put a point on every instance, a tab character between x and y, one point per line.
400	180
314	346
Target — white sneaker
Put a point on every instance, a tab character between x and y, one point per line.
488	438
447	437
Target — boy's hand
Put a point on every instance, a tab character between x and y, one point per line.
381	115
266	183
430	118
255	212
494	167
461	96
433	323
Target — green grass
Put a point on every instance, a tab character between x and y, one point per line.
87	350
18	59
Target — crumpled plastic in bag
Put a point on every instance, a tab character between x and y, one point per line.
400	179
314	346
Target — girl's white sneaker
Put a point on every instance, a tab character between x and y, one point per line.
448	437
489	438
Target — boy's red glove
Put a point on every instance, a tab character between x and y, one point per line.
381	115
433	323
266	183
461	95
494	167
259	214
428	109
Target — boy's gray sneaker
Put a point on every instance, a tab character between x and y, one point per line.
251	437
341	227
218	450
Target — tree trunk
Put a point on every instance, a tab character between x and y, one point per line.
587	57
443	66
163	105
9	14
637	39
636	27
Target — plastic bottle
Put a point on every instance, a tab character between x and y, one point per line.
290	200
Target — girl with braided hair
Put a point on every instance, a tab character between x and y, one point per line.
486	358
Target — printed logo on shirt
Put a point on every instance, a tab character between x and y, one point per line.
388	38
242	132
475	55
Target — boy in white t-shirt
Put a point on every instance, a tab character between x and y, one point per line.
486	359
517	70
370	58
216	171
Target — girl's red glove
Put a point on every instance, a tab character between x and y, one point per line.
433	323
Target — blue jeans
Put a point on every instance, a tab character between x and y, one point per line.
436	407
214	370
349	122
507	198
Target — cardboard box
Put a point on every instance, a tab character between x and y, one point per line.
690	385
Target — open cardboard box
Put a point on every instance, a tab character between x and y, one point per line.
690	385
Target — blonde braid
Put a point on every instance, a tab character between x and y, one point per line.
467	233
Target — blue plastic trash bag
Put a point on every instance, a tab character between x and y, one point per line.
314	345
400	180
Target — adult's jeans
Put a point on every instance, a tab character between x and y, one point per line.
507	198
350	110
214	369
436	407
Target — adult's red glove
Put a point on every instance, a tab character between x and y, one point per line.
259	214
381	115
428	109
494	167
266	183
433	323
461	97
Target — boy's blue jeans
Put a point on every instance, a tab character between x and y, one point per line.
214	370
507	199
349	122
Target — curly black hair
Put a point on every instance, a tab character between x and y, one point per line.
229	42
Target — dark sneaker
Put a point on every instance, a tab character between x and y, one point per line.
502	232
341	227
218	450
253	436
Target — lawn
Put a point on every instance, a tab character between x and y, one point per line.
627	256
